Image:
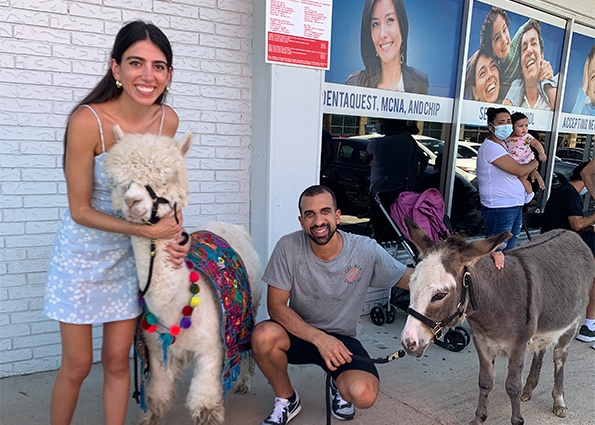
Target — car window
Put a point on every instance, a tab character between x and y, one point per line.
467	153
349	154
436	146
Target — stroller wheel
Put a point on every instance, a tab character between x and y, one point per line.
456	340
391	314
378	315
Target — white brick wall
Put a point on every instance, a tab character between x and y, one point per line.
52	53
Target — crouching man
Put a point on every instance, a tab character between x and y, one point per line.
325	274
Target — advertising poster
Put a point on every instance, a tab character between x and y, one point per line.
578	108
514	61
394	59
298	32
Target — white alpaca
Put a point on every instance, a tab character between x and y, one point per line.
139	164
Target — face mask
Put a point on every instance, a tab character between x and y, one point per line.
584	191
502	131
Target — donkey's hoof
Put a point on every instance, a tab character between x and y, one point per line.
526	396
560	411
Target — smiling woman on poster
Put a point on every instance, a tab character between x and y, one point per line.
482	78
383	45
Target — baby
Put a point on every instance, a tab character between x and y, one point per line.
519	146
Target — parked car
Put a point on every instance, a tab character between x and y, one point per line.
468	149
349	177
466	167
574	155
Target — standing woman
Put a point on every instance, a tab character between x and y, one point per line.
92	276
383	45
501	193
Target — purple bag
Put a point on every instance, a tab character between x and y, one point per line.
426	209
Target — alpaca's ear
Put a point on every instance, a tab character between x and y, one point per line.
185	143
118	133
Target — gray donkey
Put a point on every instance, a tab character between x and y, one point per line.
536	300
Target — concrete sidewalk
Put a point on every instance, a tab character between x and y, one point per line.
440	388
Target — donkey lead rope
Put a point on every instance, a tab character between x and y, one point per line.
378	360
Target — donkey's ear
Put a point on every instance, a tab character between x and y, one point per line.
118	133
418	236
185	143
484	246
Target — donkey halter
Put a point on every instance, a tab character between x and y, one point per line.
438	327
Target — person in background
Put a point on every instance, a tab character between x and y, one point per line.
564	210
384	34
396	163
519	145
501	193
92	276
318	278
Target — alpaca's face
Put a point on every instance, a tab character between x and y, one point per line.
147	172
138	202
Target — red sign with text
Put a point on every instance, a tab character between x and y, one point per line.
297	50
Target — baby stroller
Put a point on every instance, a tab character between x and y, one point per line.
427	210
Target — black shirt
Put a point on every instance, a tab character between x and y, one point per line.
563	203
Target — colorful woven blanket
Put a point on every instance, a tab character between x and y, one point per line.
213	256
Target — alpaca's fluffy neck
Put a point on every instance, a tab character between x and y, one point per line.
168	291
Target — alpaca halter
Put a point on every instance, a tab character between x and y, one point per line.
157	200
150	323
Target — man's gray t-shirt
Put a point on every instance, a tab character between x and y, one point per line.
329	295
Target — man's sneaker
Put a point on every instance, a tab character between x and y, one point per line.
283	411
585	334
341	409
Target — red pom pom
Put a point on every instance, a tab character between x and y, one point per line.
194	277
187	311
144	324
174	330
152	329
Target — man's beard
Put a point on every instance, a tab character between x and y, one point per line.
324	239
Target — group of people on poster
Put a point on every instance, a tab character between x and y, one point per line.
511	71
508	68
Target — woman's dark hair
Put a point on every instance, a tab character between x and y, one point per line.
492	112
487	29
128	35
517	116
371	61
